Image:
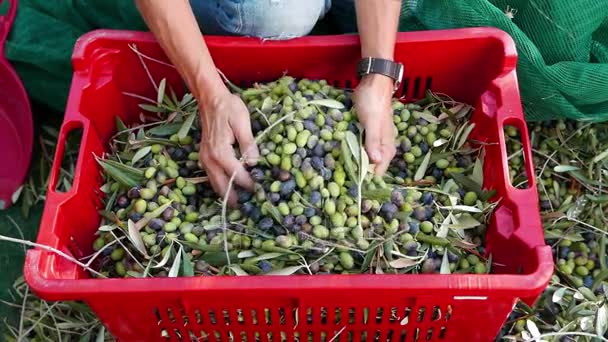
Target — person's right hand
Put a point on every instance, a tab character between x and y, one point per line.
224	121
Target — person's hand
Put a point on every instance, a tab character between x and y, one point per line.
373	105
224	121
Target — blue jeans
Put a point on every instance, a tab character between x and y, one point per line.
271	19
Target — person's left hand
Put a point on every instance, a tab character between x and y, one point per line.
373	105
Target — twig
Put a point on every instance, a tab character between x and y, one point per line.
573	333
134	48
139	55
53	250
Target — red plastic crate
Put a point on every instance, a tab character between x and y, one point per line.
472	65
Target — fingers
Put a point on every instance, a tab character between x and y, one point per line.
219	181
373	141
380	144
243	134
234	169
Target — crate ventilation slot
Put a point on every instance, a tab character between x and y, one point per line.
287	324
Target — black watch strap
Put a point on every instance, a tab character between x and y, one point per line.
371	65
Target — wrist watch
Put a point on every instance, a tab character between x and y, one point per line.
371	65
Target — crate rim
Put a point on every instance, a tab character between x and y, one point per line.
520	285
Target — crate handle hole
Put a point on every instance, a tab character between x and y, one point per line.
69	147
516	158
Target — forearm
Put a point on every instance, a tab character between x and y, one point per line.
377	21
176	30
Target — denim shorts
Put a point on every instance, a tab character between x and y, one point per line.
268	19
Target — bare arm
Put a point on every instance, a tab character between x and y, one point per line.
377	21
224	117
176	30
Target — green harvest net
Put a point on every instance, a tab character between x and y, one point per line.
562	45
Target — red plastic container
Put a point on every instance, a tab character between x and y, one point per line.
16	129
473	65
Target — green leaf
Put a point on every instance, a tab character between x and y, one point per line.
135	238
266	105
166	129
273	211
121	127
597	281
558	295
368	257
349	166
439	142
381	195
465	135
16	194
161	91
428	117
187	270
285	271
251	269
174	271
565	168
353	145
266	256
403	263
183	131
246	254
330	103
445	264
559	234
204	248
166	258
101	335
121	173
601	323
464	221
477	175
423	167
588	294
237	270
142	152
364	167
466	208
107	228
151	108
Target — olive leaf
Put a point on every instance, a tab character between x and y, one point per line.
559	234
364	167
330	103
533	329
466	208
423	167
166	129
444	228
101	334
107	228
135	238
16	194
183	131
428	117
348	161
465	135
588	294
403	263
246	254
601	325
152	215
266	105
165	258
237	270
464	221
381	195
122	129
445	264
152	108
477	175
565	168
187	270
558	295
121	173
161	91
266	256
141	153
353	145
369	256
218	259
603	275
285	271
273	211
439	142
174	271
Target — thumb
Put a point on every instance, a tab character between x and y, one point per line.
373	138
247	145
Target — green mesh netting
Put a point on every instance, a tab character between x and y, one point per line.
562	45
